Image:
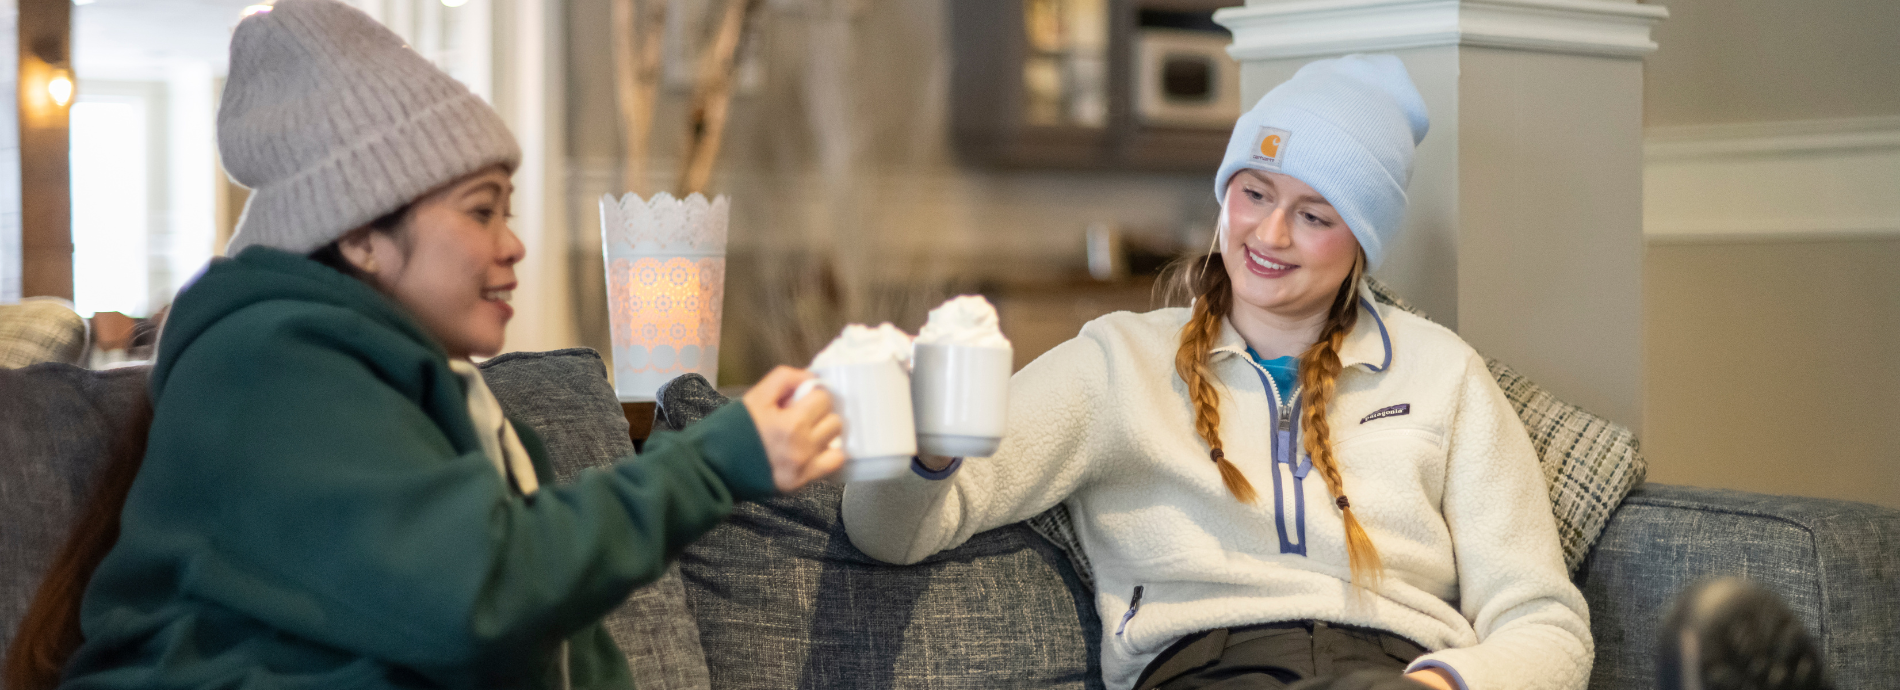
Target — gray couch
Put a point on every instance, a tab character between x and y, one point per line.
778	598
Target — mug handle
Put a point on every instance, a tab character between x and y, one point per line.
805	388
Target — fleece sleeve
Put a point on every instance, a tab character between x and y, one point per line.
1054	430
300	487
1532	624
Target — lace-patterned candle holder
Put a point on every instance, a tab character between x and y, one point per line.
666	284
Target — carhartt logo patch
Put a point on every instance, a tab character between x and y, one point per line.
1270	147
1393	411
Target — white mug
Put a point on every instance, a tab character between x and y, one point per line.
880	436
960	394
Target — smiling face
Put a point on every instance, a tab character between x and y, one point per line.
451	263
1286	251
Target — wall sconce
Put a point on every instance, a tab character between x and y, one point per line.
666	285
46	90
60	87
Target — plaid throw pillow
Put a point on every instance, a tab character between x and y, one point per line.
1056	526
41	330
1589	462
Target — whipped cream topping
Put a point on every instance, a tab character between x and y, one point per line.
966	320
859	344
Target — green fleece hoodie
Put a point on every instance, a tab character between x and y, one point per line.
315	510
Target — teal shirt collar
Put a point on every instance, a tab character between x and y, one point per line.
1284	370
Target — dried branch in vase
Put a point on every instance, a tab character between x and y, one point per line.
639	28
712	93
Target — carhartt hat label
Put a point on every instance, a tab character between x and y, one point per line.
1269	147
1392	411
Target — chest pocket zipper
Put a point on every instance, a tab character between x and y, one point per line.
1285	451
1134	604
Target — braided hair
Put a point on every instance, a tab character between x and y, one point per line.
1213	295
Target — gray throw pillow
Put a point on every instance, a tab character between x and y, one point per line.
565	397
58	422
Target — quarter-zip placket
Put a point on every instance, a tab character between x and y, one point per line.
1289	465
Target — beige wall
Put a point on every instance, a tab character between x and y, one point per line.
1771	60
1775	367
1772	280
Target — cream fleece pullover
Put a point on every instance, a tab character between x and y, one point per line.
1438	468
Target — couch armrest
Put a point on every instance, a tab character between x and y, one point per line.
565	397
1836	563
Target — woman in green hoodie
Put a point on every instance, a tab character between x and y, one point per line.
330	496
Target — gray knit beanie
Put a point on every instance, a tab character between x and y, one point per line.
333	122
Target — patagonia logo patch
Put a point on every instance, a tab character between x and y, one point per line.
1393	411
1270	147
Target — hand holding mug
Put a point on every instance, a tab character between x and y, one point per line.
880	437
797	434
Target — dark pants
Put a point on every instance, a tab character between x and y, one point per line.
1274	655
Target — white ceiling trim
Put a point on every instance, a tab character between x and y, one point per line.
1311	28
1816	180
1771	138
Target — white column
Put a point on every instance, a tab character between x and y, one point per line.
1525	227
191	172
10	251
530	95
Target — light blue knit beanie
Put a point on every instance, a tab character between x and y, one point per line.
1347	128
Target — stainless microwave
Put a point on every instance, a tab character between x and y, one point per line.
1185	79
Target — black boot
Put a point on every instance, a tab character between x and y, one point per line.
1730	634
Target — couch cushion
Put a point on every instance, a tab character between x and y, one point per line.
57	423
1837	564
784	600
41	330
565	397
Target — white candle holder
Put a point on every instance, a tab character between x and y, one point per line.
666	285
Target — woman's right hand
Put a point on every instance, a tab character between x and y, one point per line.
797	434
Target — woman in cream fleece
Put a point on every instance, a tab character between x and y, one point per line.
1286	480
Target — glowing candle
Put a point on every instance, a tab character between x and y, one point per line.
666	280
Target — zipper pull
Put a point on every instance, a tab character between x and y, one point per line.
1134	604
1283	440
